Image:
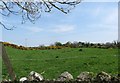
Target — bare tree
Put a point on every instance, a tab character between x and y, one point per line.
32	10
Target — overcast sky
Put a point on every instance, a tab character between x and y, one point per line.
89	21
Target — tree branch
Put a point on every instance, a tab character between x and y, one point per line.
5	26
32	10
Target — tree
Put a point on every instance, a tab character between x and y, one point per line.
75	44
32	10
58	44
68	44
108	45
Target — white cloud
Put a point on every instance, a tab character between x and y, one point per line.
105	27
63	28
34	29
112	17
110	21
106	19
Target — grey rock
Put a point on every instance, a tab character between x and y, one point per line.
34	76
6	80
85	76
103	77
23	79
66	76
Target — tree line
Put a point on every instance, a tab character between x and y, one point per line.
59	45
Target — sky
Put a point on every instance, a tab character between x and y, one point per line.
87	22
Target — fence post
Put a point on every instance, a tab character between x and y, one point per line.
0	62
7	63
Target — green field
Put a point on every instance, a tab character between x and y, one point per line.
54	62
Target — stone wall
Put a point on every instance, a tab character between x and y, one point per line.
66	77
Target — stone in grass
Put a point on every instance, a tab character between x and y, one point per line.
85	76
66	76
6	81
115	79
23	79
103	77
34	76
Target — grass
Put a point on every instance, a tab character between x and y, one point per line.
54	62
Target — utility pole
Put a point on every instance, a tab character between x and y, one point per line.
26	42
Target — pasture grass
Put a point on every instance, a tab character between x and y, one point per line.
54	62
